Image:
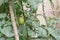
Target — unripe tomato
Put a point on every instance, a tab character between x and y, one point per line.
21	20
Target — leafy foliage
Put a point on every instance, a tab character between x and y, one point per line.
31	29
1	1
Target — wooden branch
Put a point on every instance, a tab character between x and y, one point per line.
13	22
52	6
45	18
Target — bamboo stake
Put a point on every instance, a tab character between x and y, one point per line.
13	22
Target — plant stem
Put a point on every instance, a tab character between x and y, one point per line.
13	22
44	13
45	19
52	6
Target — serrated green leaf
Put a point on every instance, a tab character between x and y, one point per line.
1	34
2	15
10	39
2	22
2	38
7	31
53	32
41	32
35	23
34	8
8	23
1	2
23	32
34	5
32	33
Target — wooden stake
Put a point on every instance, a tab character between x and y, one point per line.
13	22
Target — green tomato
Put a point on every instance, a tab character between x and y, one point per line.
21	20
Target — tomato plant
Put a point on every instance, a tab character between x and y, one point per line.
29	27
